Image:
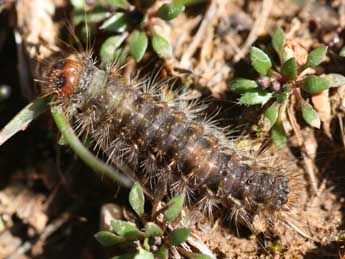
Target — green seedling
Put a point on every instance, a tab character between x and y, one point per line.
155	236
132	27
278	81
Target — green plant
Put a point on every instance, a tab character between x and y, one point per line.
155	236
131	26
281	78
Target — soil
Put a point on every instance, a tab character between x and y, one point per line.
51	204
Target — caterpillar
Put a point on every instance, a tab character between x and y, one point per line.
132	122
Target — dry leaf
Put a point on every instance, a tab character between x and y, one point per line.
322	105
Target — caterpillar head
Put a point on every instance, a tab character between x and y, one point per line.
64	76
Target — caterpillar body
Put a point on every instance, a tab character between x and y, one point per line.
131	122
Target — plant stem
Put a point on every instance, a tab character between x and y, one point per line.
83	153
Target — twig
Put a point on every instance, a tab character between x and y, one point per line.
306	157
48	231
200	246
310	171
342	132
307	160
298	230
259	23
185	60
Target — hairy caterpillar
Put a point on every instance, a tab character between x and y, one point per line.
132	122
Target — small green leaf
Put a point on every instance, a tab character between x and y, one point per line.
106	238
78	4
126	229
335	80
256	96
152	230
137	199
278	135
286	54
174	207
120	55
283	95
86	33
278	40
260	61
170	11
162	253
277	248
161	46
118	3
144	255
178	236
289	69
144	21
271	115
310	115
342	52
316	56
146	244
315	84
109	47
138	45
95	16
242	85
23	119
116	23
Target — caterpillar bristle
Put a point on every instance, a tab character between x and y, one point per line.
207	205
149	165
181	186
240	217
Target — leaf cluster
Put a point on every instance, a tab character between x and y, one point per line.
132	27
154	239
280	77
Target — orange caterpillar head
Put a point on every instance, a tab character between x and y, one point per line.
64	76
